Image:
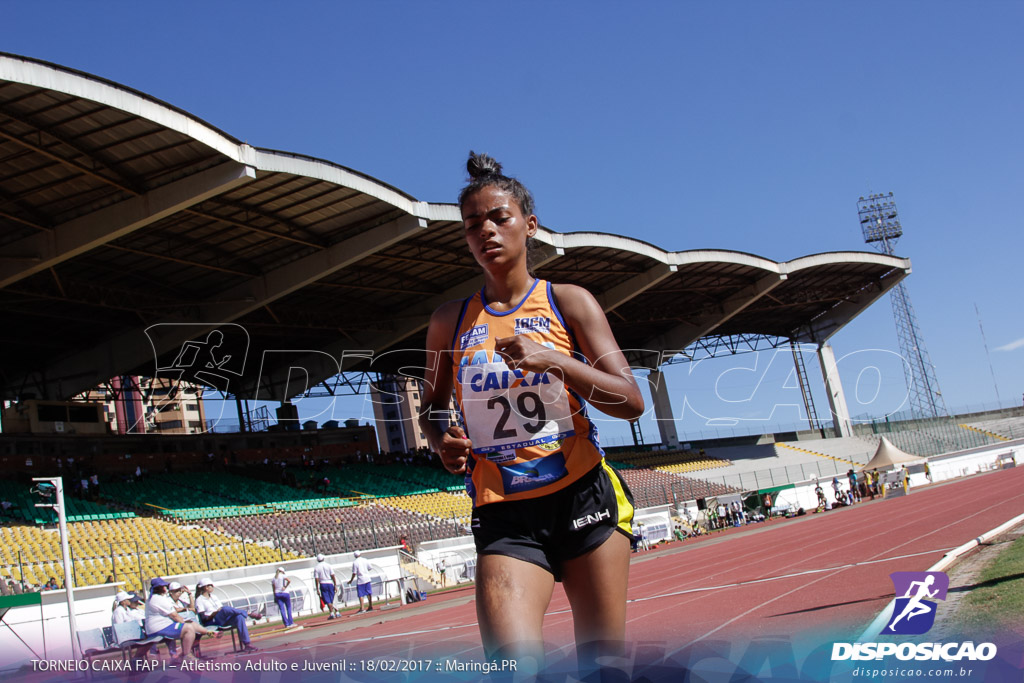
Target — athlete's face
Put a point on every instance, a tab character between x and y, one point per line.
496	229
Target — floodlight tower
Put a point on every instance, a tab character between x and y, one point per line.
51	491
880	223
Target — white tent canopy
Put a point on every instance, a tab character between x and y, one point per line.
888	455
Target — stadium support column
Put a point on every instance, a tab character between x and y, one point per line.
663	409
834	389
243	425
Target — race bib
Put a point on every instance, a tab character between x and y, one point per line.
508	409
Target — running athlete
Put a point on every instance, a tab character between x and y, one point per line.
524	357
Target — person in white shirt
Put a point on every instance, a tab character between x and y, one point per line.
442	568
137	606
162	619
280	584
212	611
123	609
323	575
364	588
183	600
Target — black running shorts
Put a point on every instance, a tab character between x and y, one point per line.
548	530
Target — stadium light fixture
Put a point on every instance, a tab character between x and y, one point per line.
51	491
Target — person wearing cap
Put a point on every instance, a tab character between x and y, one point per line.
326	583
183	600
361	575
137	605
280	584
212	611
123	609
162	619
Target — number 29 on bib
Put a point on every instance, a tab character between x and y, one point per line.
508	409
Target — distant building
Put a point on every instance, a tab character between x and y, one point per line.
396	409
135	404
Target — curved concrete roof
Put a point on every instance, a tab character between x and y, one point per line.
128	226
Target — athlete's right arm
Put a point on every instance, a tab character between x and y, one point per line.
448	441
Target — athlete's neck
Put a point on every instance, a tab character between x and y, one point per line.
506	292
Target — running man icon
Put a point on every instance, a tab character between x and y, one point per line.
914	606
915	610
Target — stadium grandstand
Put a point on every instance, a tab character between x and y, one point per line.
135	234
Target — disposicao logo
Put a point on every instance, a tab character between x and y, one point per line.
914	614
914	611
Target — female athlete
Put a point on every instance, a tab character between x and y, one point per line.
524	357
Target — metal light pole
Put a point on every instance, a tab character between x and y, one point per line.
56	489
880	225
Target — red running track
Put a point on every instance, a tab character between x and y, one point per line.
821	574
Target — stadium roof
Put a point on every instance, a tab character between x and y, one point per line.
128	227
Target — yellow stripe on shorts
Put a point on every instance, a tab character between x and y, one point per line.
625	508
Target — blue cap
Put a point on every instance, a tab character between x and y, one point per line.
153	583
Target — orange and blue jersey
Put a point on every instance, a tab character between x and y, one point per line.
531	435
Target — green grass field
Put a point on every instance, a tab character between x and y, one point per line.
996	604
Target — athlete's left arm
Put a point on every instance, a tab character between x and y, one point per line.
606	382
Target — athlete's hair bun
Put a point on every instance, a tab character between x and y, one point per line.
484	171
481	166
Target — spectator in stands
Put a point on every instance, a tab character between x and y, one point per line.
364	588
51	584
327	585
5	507
123	610
162	619
282	598
212	611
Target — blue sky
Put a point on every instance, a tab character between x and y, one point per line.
745	126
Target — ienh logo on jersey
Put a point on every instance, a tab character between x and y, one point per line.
535	324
